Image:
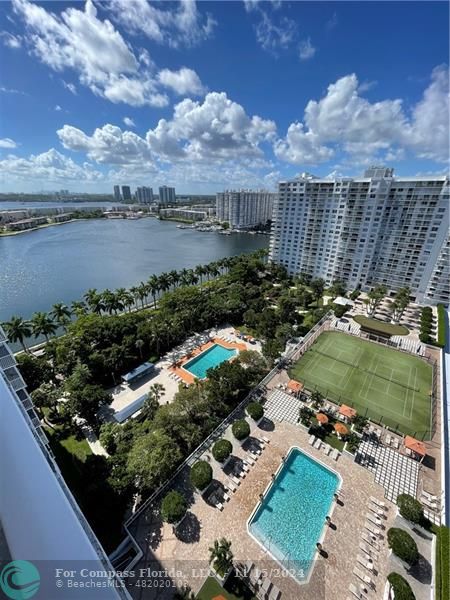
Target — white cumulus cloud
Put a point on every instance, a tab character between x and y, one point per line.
129	122
183	82
7	143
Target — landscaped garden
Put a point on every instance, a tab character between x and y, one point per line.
376	326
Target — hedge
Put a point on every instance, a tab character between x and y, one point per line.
402	589
255	411
403	545
441	325
201	474
241	429
173	507
442	574
222	450
355	294
410	508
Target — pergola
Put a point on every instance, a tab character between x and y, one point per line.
414	448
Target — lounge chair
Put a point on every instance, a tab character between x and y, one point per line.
245	467
274	593
372	529
248	567
373	518
226	497
266	439
335	454
395	443
235	479
388	440
219	505
255	576
365	578
318	443
327	449
231	486
428	504
265	586
429	496
370	540
357	593
253	456
312	439
378	511
365	562
368	550
378	502
249	460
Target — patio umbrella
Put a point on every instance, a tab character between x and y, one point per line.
340	429
321	418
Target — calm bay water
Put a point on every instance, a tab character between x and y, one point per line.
58	264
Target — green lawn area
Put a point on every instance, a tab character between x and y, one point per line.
383	384
442	574
234	590
380	326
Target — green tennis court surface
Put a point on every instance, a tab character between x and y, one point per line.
380	383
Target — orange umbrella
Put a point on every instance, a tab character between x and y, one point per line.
322	418
415	445
340	428
295	386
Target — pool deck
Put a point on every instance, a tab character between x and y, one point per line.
189	549
185	375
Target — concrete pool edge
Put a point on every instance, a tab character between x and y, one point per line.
205	351
324	528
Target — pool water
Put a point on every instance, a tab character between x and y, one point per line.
292	515
208	359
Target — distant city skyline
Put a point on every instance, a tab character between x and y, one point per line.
215	95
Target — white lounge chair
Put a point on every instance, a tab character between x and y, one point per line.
372	529
373	518
335	454
327	449
274	593
357	593
253	456
378	502
365	562
318	443
235	479
245	467
231	486
365	578
266	439
395	443
226	497
219	505
378	511
429	496
371	540
312	439
249	460
369	550
428	504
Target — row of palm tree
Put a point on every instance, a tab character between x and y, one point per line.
110	302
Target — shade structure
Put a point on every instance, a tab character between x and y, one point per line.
295	386
347	411
415	446
340	428
321	418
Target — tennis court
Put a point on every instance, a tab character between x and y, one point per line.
383	384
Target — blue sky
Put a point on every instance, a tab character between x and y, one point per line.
214	95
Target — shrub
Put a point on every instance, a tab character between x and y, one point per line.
222	450
339	310
401	587
424	338
173	507
403	545
353	442
305	415
410	508
359	423
201	474
255	411
355	294
241	429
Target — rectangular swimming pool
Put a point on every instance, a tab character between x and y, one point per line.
290	520
208	359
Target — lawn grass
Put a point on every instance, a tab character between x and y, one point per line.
376	326
382	384
234	590
442	572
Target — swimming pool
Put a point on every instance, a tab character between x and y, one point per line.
208	359
290	520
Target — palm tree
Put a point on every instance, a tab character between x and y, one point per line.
17	330
200	271
139	344
153	287
123	298
221	556
94	300
164	282
108	301
43	324
174	278
214	269
142	293
78	308
61	314
134	291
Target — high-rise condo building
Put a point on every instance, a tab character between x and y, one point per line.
126	192
144	195
244	208
378	229
117	195
52	528
167	195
